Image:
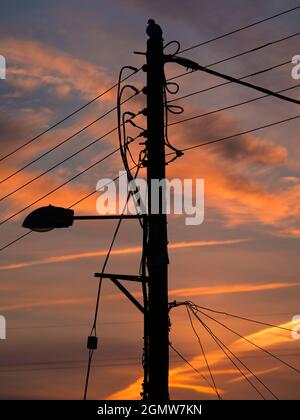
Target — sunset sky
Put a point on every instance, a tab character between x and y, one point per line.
243	259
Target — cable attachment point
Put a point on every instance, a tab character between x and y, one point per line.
133	88
134	124
144	134
178	154
132	68
132	115
92	342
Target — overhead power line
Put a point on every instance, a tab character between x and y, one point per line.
260	47
65	118
13	368
256	73
242	28
85	197
15	240
171	153
203	352
59	186
64	160
190	365
190	306
57	164
196	66
240	55
170	124
225	349
179	98
242	133
251	342
93	122
197	309
66	140
266	324
215	111
136	70
45	364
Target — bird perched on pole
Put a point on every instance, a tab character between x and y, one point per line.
153	30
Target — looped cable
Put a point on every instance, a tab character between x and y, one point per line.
175	109
172	92
178	46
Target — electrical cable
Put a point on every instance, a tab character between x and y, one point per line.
236	357
227	83
203	352
61	162
198	67
240	29
130	177
242	318
58	164
260	47
222	346
240	134
215	111
64	141
250	342
185	149
94	327
59	186
15	240
67	117
256	73
62	185
190	365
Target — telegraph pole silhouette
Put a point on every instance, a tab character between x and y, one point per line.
156	314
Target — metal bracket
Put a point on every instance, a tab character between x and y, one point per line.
122	277
123	289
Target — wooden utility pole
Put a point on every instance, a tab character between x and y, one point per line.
157	320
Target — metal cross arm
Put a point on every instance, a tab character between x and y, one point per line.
114	278
122	277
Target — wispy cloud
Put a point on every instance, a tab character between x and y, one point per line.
180	293
231	288
122	251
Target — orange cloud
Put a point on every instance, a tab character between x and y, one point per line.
35	64
238	198
184	377
64	196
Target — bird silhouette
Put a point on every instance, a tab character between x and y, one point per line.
153	30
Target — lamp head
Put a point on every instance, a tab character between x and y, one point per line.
47	218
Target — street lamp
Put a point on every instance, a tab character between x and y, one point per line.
50	217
